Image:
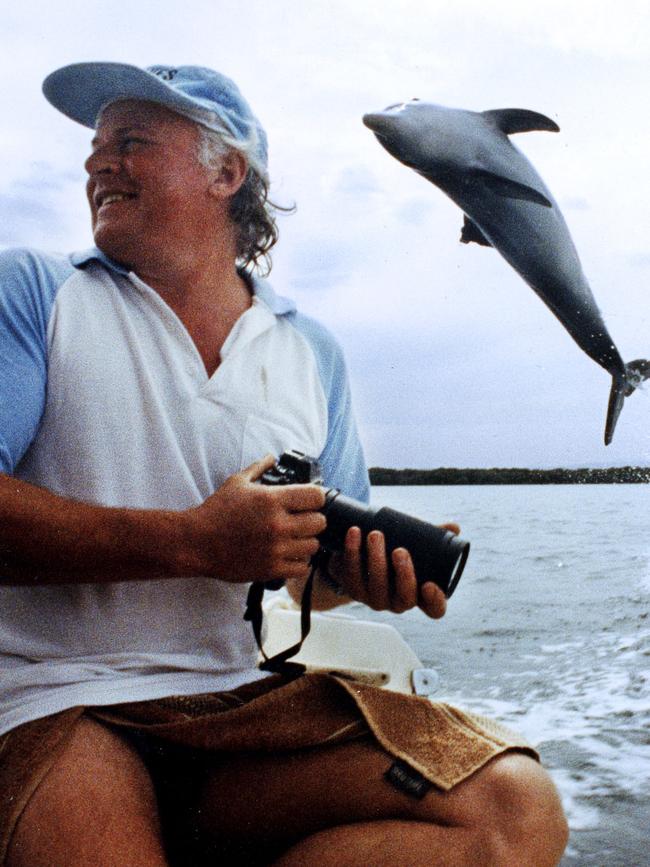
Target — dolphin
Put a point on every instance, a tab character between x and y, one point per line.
468	155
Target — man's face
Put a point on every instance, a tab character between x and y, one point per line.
147	190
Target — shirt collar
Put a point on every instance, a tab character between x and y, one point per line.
85	257
262	289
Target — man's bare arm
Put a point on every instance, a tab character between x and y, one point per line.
243	532
45	538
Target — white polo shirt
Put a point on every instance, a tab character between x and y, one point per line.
105	399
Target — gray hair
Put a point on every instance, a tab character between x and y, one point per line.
251	210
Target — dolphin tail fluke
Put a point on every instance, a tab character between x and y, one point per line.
622	386
615	405
636	372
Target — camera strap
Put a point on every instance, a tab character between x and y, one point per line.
255	615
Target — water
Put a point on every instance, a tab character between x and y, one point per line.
549	631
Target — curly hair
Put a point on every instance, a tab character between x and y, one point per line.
251	210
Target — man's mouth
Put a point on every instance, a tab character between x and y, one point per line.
109	198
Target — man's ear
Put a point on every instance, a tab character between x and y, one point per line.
230	175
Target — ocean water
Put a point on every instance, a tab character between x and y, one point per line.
549	631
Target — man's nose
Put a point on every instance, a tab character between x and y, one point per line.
103	159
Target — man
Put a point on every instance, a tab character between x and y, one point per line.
136	381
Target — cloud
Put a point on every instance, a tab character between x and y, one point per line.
575	203
36	209
320	264
415	211
640	260
24	218
356	180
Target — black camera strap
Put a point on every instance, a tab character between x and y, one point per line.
255	615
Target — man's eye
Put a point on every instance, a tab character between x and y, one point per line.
131	143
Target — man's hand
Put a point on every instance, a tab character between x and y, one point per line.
367	577
251	532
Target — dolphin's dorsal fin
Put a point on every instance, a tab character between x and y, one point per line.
511	120
507	188
471	232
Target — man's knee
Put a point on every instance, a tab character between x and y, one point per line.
96	792
523	815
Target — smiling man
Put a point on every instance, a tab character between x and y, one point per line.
144	387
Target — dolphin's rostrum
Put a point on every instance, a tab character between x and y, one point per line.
469	156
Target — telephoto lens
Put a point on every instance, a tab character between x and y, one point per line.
438	555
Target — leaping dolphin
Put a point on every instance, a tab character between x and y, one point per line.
469	156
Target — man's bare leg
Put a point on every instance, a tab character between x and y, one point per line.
96	806
333	808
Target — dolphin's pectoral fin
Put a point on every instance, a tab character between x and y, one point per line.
471	232
506	187
512	120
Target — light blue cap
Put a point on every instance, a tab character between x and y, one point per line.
82	90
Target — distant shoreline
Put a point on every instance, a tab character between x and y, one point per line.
509	476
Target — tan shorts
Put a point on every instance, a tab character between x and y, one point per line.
440	743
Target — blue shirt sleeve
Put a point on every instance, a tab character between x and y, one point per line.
342	461
28	285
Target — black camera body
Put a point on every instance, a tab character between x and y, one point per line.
438	555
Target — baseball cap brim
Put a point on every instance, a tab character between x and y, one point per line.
81	90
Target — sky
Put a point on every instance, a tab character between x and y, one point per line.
453	360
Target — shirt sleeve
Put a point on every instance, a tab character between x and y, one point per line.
342	460
28	284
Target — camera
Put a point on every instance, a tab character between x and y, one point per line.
438	555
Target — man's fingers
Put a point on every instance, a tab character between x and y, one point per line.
301	498
384	580
355	583
304	524
292	498
256	470
432	600
405	594
297	554
378	587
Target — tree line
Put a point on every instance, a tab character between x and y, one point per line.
509	476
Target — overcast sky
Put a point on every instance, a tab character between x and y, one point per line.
454	361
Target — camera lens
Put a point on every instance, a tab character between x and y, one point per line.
438	555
